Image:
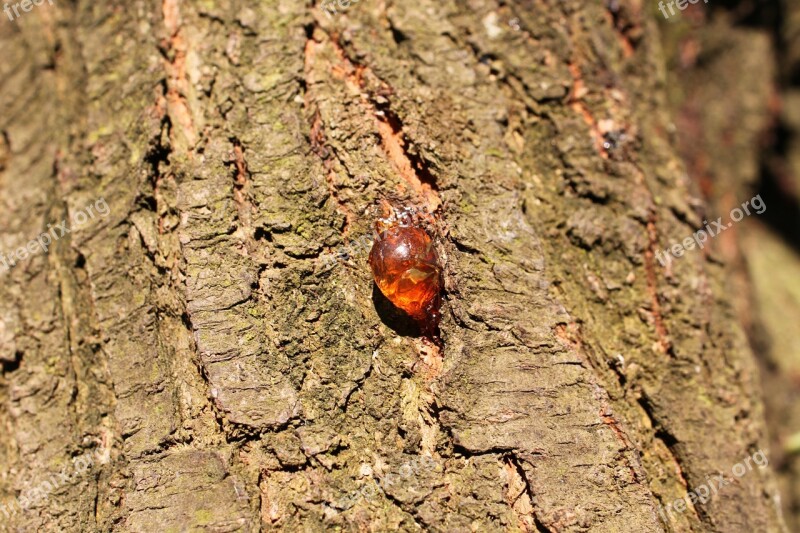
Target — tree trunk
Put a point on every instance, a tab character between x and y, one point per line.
214	341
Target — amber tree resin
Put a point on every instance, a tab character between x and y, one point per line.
407	271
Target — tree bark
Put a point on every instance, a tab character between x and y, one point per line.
225	362
734	87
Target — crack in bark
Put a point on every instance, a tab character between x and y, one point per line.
175	49
525	509
411	167
668	440
622	26
241	196
358	384
5	148
580	108
664	342
8	366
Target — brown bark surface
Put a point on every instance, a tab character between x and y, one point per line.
734	84
232	370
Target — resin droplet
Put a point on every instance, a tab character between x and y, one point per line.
406	269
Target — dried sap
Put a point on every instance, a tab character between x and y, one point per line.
406	269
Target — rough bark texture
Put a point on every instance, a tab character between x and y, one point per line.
240	380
